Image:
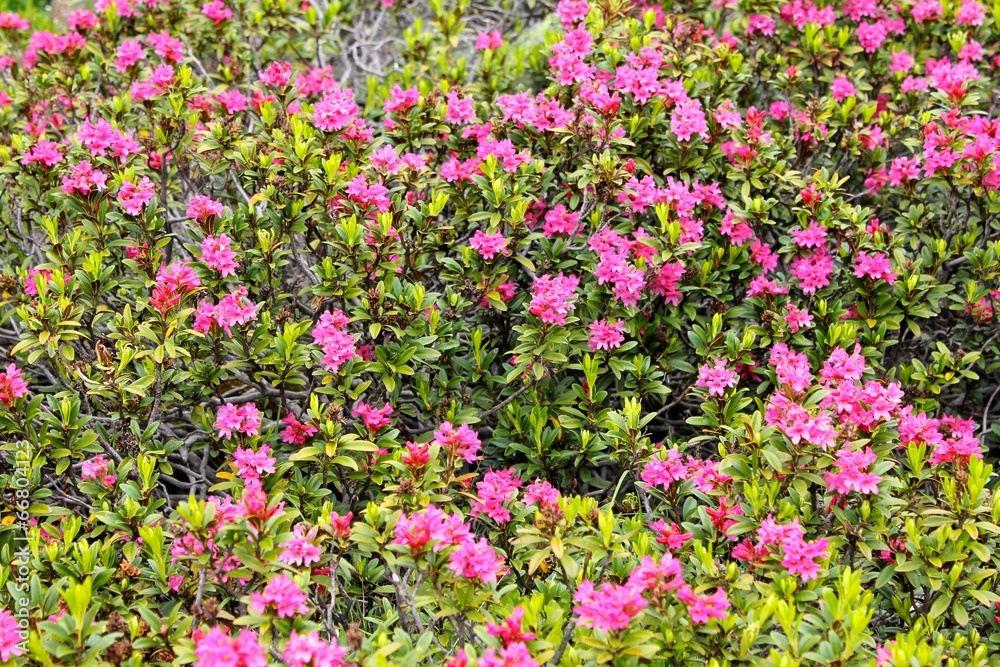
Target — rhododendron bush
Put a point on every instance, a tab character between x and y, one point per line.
614	334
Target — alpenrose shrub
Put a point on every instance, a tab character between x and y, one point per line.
653	335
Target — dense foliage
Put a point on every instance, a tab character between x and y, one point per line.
349	333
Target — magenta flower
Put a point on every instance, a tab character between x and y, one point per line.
606	335
202	208
716	378
281	597
477	560
219	253
217	11
10	636
308	650
609	608
552	297
133	197
243	419
488	245
12	385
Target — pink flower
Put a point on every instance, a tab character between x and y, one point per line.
572	11
282	597
797	318
610	608
336	110
460	110
240	418
341	525
670	535
173	283
133	198
488	245
799	557
663	472
970	12
792	368
218	648
338	346
461	441
129	53
716	378
219	253
704	607
853	474
477	560
512	655
217	11
165	46
489	40
561	222
233	101
497	490
250	464
401	100
45	152
430	524
202	208
308	650
900	61
13	22
416	456
688	119
300	550
374	418
10	631
97	469
540	492
552	297
657	578
83	178
101	138
606	335
875	266
232	310
842	88
510	631
760	24
295	432
12	385
276	75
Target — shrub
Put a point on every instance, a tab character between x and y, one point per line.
645	335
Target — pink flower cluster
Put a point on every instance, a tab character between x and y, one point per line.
281	597
674	466
374	418
853	473
219	648
716	377
308	650
460	442
250	464
97	469
338	346
232	310
801	558
243	419
552	297
295	432
495	492
219	253
12	385
173	282
514	650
